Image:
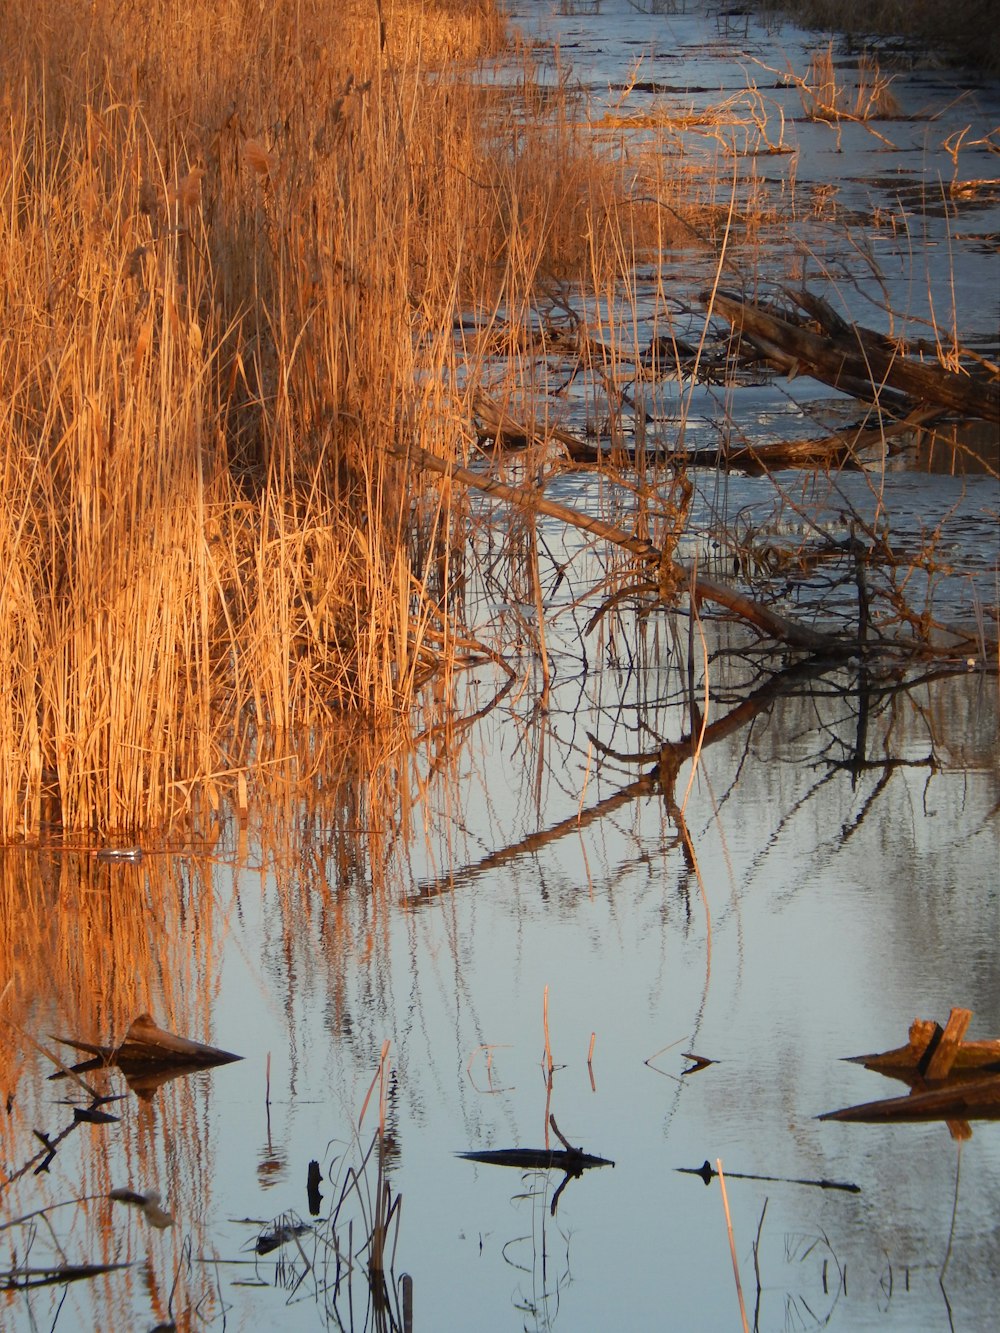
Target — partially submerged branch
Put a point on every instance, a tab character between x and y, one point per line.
672	573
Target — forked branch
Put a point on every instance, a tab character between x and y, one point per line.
700	588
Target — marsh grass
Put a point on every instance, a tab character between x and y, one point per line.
826	97
961	30
235	247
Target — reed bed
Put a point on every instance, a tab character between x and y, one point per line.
962	30
235	246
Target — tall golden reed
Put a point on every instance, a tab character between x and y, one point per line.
211	229
235	244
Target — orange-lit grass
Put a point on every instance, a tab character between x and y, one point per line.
234	246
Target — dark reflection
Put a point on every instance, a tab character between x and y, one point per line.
344	1262
756	696
571	1161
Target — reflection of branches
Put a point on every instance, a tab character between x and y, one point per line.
543	1302
667	760
872	695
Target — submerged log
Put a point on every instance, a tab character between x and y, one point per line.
148	1050
708	1174
850	357
573	1161
956	1099
845	448
951	1079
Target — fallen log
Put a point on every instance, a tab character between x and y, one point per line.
499	425
952	1079
147	1046
537	1159
845	448
571	1161
954	1057
701	589
974	1099
850	357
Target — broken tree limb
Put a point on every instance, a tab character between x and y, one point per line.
975	1099
964	1057
499	425
857	361
701	589
844	448
147	1044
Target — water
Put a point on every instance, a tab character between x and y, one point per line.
824	874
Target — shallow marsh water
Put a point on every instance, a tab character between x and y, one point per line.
428	887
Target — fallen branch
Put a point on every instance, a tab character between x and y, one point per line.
851	357
701	589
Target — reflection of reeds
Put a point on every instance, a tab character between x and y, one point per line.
87	945
359	1236
964	28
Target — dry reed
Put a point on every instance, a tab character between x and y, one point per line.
234	253
962	29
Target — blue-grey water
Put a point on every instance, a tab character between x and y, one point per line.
823	872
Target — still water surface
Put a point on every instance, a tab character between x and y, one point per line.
838	877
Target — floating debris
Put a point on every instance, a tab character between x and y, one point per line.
699	1062
21	1279
572	1161
950	1079
130	855
148	1203
279	1235
149	1056
708	1174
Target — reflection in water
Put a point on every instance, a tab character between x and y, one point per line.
426	892
86	945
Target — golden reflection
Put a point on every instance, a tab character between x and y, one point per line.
86	946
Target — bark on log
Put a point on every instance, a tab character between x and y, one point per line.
978	1099
853	359
905	1061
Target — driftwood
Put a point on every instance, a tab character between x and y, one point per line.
933	1052
707	1174
959	1100
496	423
846	448
702	589
149	1056
851	357
951	1079
571	1161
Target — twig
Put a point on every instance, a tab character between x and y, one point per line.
701	588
